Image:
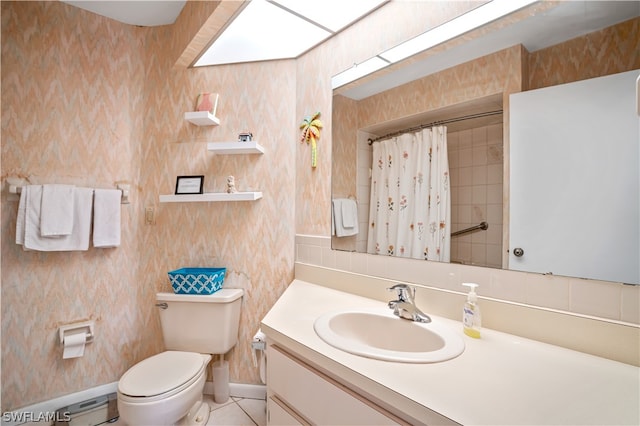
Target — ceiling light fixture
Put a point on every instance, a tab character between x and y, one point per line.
357	71
283	29
456	27
469	21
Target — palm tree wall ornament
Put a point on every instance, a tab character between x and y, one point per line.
310	134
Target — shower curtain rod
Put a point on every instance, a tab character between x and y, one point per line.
435	123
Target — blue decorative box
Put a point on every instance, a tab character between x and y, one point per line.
197	280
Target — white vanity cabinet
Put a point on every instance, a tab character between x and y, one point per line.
280	414
498	380
297	393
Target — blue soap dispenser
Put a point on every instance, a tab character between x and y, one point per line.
471	319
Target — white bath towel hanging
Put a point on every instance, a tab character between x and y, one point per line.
106	218
28	224
56	214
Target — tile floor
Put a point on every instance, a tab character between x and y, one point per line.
237	412
234	412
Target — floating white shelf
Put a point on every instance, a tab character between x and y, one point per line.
201	118
211	197
250	147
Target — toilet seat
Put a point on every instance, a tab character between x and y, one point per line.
162	375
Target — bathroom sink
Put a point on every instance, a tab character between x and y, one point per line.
379	334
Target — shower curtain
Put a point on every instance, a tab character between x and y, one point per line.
409	214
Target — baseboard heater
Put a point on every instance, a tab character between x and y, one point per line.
94	411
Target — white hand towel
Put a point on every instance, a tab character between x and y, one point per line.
339	215
106	218
22	208
56	214
349	213
79	238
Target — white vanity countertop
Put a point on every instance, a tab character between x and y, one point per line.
499	379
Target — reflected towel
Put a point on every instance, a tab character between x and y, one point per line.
106	218
56	214
79	238
349	214
341	208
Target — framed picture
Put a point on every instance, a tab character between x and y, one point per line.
189	184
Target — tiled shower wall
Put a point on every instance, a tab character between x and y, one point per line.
475	166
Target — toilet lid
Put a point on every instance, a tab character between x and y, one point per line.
160	373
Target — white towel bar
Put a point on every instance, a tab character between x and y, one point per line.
17	189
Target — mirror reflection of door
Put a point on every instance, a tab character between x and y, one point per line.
574	179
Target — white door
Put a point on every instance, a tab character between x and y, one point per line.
574	179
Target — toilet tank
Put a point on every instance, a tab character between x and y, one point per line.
206	324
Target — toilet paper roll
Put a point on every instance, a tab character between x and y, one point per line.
259	340
74	345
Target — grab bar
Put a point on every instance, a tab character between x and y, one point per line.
483	225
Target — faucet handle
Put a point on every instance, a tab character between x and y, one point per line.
405	292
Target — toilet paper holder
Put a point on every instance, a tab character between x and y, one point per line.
257	345
77	328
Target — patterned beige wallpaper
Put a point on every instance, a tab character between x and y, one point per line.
89	101
70	97
253	240
608	51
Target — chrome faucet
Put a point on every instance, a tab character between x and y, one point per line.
405	307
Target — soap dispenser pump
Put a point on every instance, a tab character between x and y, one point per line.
471	319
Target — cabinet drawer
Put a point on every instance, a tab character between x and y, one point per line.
316	397
279	415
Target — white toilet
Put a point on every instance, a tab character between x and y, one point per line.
166	389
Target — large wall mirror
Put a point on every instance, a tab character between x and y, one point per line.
471	84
